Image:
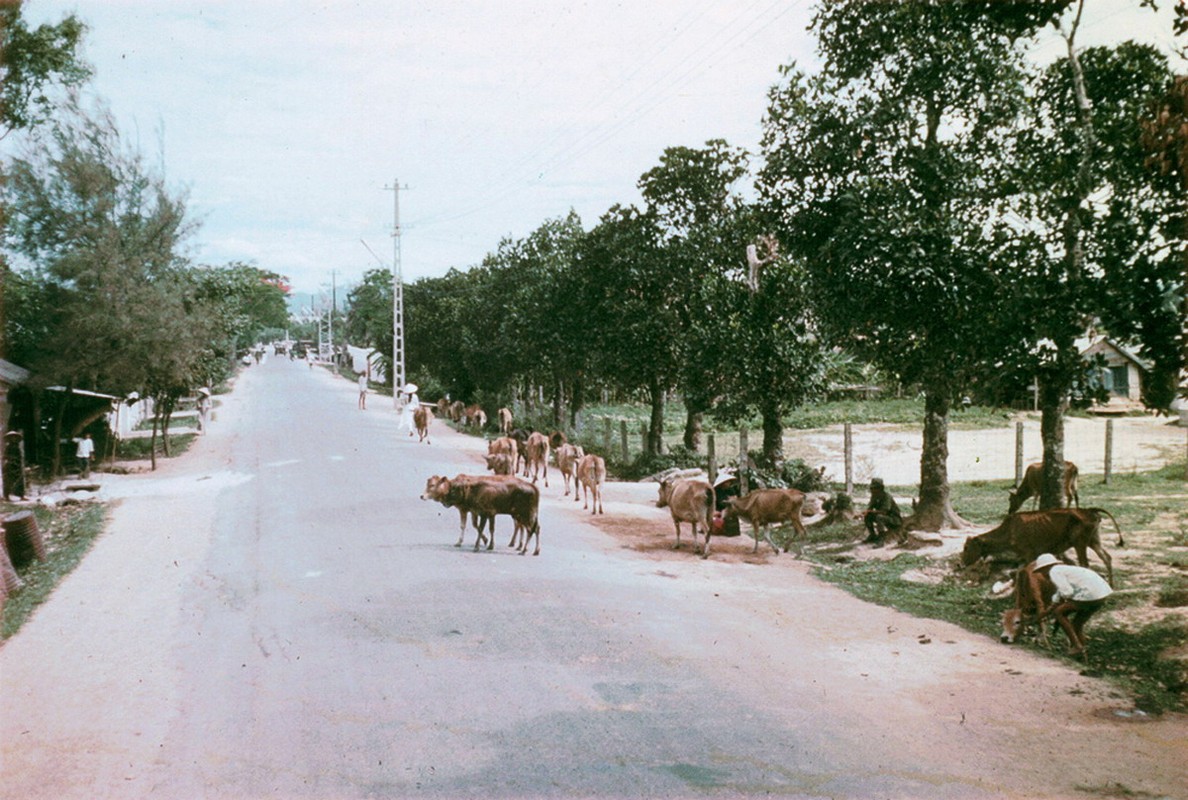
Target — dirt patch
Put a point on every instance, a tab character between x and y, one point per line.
655	539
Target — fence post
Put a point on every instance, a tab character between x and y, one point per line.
623	441
711	458
643	437
848	438
743	461
1018	454
607	426
1109	451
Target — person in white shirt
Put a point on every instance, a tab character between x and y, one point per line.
363	391
1079	594
86	449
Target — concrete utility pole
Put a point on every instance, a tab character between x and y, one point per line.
398	379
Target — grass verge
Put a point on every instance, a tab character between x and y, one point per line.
68	532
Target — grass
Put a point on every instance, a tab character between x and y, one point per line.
140	448
68	532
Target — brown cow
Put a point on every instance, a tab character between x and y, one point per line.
689	500
1030	533
568	456
475	416
422	416
591	473
443	408
486	496
505	445
1033	481
1031	588
536	456
457	410
762	507
505	421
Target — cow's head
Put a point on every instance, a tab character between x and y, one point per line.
665	493
436	488
1017	500
730	512
1012	624
972	552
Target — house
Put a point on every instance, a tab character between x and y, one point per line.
1122	374
11	376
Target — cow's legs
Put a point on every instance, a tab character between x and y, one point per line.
767	535
1105	559
801	533
677	546
462	529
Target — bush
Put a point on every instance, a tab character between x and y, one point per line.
789	474
678	457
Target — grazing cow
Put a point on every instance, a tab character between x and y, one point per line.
536	454
568	456
1031	587
591	473
1033	480
475	416
500	463
484	497
1030	533
689	500
762	507
505	421
422	416
457	410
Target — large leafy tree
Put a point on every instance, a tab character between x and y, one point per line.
1097	244
881	167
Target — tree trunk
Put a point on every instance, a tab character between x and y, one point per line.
153	443
934	510
558	403
1052	405
656	425
773	436
693	429
575	402
56	464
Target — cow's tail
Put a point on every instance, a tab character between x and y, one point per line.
1117	527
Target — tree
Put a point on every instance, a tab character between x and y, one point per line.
1095	243
881	168
369	315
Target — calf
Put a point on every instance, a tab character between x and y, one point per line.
591	473
505	445
568	456
1033	481
485	497
536	456
689	500
421	419
763	507
505	421
1031	588
1030	533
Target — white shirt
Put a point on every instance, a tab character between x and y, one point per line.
85	448
1078	583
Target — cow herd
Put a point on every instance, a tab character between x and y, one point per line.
518	460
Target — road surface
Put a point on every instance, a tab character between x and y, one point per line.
277	615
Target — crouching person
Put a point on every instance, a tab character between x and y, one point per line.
1078	594
882	516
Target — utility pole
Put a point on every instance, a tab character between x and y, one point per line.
397	299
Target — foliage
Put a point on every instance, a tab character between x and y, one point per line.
33	63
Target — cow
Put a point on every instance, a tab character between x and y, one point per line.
557	438
591	473
484	497
762	507
1030	533
505	421
1031	587
443	407
536	456
568	456
422	416
475	416
1033	481
505	445
689	500
457	410
521	438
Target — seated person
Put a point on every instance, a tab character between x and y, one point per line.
882	515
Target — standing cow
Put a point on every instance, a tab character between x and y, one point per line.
763	507
689	500
591	473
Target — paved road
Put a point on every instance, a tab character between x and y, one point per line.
278	615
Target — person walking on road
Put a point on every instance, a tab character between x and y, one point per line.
406	414
362	391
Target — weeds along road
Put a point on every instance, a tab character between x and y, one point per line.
277	614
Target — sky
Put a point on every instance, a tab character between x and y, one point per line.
287	123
